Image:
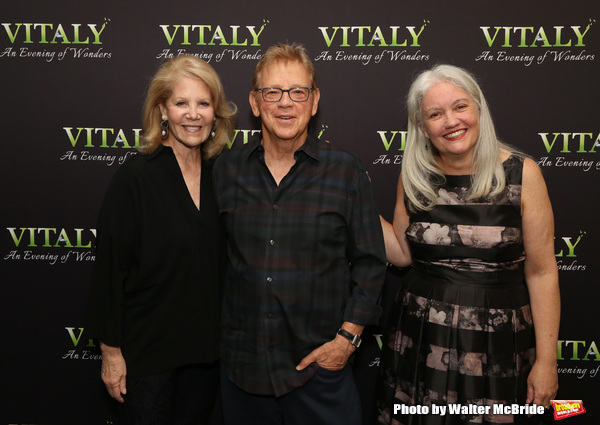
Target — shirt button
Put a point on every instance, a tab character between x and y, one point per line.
271	242
275	207
269	279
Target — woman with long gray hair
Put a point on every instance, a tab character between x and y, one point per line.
476	321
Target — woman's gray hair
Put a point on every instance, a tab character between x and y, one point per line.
421	174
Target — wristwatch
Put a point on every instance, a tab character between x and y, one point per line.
355	340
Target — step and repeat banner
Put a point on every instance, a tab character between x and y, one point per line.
74	75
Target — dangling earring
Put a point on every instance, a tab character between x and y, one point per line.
214	129
426	144
164	128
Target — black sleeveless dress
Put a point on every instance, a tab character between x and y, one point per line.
461	331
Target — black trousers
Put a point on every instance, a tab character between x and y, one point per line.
329	398
183	396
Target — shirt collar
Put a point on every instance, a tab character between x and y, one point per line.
309	147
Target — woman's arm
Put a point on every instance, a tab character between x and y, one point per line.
541	274
396	245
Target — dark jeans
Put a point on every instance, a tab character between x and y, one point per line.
184	396
329	398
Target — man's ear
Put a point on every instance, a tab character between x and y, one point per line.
254	104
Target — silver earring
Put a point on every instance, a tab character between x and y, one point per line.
164	128
427	141
214	129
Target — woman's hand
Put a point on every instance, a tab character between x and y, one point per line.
114	371
542	384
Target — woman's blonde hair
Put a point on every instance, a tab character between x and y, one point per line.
161	88
421	174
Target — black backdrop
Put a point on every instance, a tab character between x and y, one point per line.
74	75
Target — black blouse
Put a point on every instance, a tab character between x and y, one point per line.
156	279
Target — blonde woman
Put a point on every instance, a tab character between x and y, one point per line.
154	302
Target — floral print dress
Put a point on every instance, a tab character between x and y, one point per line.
460	332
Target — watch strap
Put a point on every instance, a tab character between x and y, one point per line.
355	340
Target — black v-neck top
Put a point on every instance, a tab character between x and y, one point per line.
156	279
